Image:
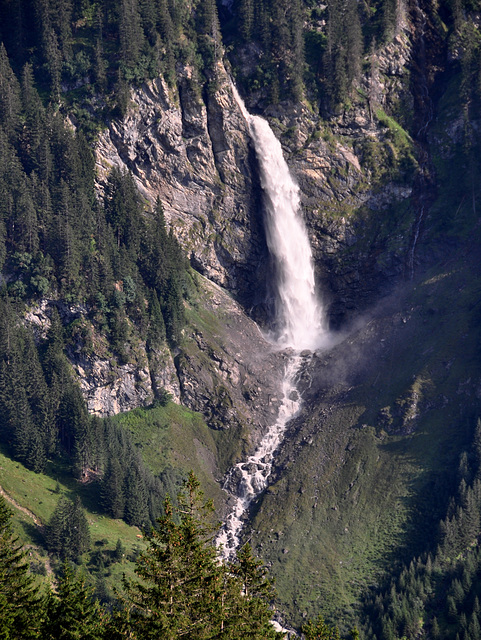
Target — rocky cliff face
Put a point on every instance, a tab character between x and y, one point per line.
351	473
193	152
226	369
108	387
352	168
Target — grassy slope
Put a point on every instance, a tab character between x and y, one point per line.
355	491
168	436
39	494
366	468
173	436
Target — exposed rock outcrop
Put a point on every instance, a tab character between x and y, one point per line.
194	153
109	387
225	368
228	370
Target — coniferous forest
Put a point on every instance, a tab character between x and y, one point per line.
104	261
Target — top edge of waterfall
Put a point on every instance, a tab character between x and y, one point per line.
240	101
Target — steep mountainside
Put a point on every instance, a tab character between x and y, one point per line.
363	476
141	275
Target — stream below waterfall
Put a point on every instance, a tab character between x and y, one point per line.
299	326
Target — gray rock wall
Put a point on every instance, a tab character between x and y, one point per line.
194	153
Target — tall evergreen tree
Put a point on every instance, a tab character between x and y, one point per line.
21	606
100	64
319	630
342	56
67	533
130	32
253	616
112	490
136	497
246	18
9	96
61	17
123	210
185	590
72	613
180	576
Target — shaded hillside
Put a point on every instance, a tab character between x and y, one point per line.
367	469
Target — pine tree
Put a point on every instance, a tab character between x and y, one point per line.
435	630
167	34
74	427
136	499
253	616
123	210
14	34
186	591
112	490
148	14
173	309
26	223
208	25
9	96
22	425
354	43
476	447
154	261
122	95
119	551
389	19
21	607
53	58
67	533
61	12
476	607
73	613
130	32
246	18
156	333
474	628
319	630
181	579
100	65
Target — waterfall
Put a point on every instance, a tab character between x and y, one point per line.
299	322
299	315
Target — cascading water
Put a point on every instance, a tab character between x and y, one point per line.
300	323
299	316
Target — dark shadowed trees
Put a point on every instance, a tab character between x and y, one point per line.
67	533
72	612
21	606
185	591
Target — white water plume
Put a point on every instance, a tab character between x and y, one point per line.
300	317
